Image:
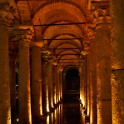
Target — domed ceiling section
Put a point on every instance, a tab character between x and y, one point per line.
61	25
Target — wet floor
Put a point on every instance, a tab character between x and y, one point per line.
69	112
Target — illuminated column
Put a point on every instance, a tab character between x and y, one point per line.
36	95
103	68
88	84
50	77
24	78
117	59
93	86
60	80
54	84
81	85
46	70
55	77
12	68
83	81
5	116
57	85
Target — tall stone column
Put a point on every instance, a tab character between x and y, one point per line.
24	78
12	69
88	84
93	86
57	85
5	116
36	84
117	60
50	77
83	81
54	84
103	68
46	84
60	80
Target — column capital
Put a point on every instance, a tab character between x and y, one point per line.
46	55
59	69
91	33
86	49
25	36
5	15
101	13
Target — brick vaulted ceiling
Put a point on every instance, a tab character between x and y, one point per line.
61	24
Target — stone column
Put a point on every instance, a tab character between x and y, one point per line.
57	85
88	84
24	78
93	86
83	81
117	60
54	84
36	83
50	78
103	68
60	80
12	69
46	84
5	116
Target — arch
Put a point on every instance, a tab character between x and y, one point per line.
52	31
65	36
51	11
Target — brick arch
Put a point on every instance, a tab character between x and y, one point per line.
67	42
73	64
62	53
56	43
55	11
55	30
80	26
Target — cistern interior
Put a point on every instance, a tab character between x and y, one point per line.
61	62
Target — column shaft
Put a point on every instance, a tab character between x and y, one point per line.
50	78
24	84
45	88
103	74
88	85
57	85
60	80
54	84
117	60
93	86
12	68
5	116
36	92
83	83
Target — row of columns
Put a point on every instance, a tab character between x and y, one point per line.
40	87
105	66
38	81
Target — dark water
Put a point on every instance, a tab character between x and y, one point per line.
69	112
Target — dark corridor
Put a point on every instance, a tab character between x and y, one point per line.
69	111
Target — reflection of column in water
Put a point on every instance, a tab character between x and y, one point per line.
61	113
51	118
55	115
48	120
82	117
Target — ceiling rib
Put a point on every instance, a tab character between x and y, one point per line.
55	24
